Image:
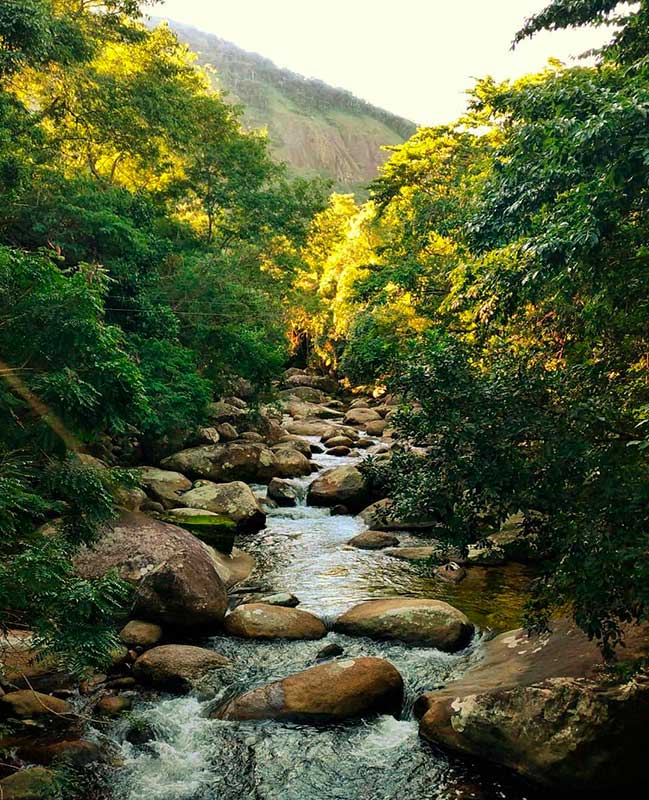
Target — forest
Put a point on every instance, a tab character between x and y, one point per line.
154	259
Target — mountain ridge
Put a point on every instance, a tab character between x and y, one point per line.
317	129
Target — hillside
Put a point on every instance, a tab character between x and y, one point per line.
315	128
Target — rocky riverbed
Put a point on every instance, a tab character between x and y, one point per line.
289	666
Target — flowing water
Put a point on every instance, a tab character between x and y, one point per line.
303	550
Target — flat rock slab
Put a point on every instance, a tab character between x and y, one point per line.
431	623
543	706
265	621
326	693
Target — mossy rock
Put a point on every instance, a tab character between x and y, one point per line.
213	529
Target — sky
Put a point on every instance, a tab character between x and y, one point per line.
415	58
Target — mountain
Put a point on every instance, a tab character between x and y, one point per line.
317	129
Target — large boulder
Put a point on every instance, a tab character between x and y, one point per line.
361	416
294	443
26	704
176	667
300	409
233	500
164	485
432	623
232	461
326	693
341	485
265	621
311	427
542	705
225	412
282	492
306	393
291	463
33	783
176	583
380	516
328	385
374	540
214	529
137	633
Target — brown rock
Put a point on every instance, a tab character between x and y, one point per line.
164	486
265	621
432	623
175	579
340	452
282	492
360	416
175	667
25	704
374	540
34	783
233	500
290	463
326	693
340	485
376	427
113	706
137	633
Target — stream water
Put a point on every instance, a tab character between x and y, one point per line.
303	550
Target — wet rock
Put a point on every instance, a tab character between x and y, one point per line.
431	623
290	463
373	540
232	568
364	444
380	517
261	621
423	553
164	486
339	510
299	409
252	436
294	442
341	485
330	651
113	706
450	573
376	427
175	667
34	783
175	579
325	693
73	752
282	492
338	441
212	529
307	393
360	416
544	706
340	452
27	704
25	667
125	682
137	633
277	599
233	500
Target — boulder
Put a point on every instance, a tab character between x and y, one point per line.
295	443
225	412
24	666
279	599
113	706
332	650
326	693
26	704
252	436
380	517
33	783
545	707
233	461
299	409
360	402
176	667
137	633
164	486
264	621
307	393
130	498
374	540
450	573
339	452
327	385
282	492
203	435
233	500
431	623
226	433
290	463
338	441
341	485
71	752
360	416
376	427
213	529
311	427
175	581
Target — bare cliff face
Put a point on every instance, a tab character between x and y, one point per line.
315	128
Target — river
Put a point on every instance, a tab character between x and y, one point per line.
303	550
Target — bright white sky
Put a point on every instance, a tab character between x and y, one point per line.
415	58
